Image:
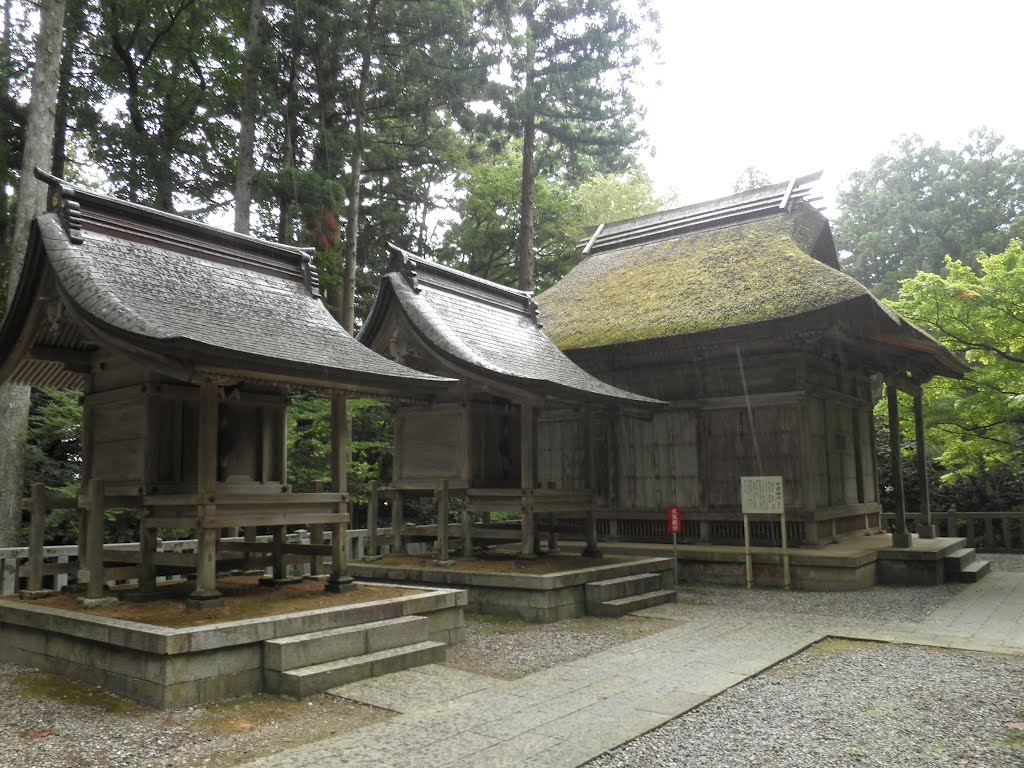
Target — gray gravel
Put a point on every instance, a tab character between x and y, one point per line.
851	704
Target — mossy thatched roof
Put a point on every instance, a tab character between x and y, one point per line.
697	281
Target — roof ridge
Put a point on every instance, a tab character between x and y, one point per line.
82	210
419	271
740	206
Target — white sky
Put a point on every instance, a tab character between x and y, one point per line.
793	87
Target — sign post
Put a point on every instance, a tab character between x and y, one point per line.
675	527
763	496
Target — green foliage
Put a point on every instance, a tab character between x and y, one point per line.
977	424
920	202
483	240
309	443
751	177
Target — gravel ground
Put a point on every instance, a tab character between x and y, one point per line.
510	649
842	703
68	725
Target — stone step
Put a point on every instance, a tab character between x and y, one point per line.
957	560
975	571
623	586
623	605
317	678
310	648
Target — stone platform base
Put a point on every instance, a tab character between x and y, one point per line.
166	667
531	597
856	562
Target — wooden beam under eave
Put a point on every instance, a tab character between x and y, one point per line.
76	360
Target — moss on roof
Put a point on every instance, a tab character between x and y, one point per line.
699	281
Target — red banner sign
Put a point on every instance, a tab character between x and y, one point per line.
675	520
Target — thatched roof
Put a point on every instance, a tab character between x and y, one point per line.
184	297
742	261
473	328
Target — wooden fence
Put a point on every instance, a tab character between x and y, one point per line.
61	563
986	531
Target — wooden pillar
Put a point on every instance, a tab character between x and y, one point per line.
372	547
900	537
442	522
590	481
147	551
858	453
925	528
528	479
37	529
339	580
467	530
397	521
94	526
316	537
205	594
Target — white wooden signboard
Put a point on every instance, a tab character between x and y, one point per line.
763	496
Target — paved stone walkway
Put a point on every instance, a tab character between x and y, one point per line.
568	714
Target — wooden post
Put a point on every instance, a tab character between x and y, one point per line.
205	595
925	528
37	529
527	478
94	553
467	530
901	536
372	546
590	475
858	453
277	554
397	515
339	580
442	523
316	537
147	550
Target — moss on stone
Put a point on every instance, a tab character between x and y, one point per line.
699	281
71	692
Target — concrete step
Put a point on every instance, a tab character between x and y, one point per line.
623	605
317	678
957	560
623	586
310	648
975	571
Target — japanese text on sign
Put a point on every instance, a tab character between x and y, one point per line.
675	520
762	495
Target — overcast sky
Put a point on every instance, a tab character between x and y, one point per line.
793	87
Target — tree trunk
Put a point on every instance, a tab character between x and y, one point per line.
74	28
14	400
526	207
348	296
284	228
526	266
247	119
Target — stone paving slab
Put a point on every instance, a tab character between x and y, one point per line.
566	715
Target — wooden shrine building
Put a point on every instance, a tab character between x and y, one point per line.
479	440
736	312
185	341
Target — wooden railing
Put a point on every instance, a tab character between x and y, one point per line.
987	531
60	563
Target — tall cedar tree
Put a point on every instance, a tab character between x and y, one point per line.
921	202
37	152
563	88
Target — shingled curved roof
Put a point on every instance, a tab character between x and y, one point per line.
739	261
481	328
189	296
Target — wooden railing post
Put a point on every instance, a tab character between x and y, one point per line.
37	529
316	537
371	521
442	523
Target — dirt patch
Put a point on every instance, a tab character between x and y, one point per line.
244	599
494	562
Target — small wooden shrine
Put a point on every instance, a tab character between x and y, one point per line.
479	440
185	341
736	312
